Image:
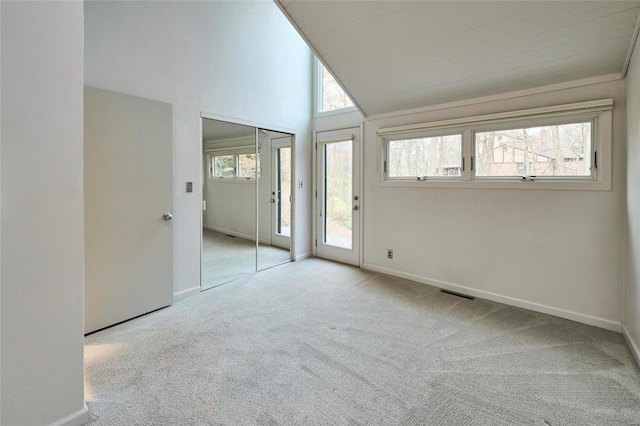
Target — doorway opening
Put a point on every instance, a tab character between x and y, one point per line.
247	200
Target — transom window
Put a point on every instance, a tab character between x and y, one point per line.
557	150
238	165
223	166
558	147
421	158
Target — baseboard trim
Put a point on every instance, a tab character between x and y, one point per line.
186	293
236	234
303	256
633	346
562	313
78	418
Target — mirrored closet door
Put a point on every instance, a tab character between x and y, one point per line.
274	203
246	220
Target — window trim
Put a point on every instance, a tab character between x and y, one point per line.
317	94
599	112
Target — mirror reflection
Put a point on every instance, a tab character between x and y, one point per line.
246	221
274	201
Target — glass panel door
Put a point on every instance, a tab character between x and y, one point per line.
338	219
338	190
282	195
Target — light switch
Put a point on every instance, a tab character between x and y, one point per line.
189	186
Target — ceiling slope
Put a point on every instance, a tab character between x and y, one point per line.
397	55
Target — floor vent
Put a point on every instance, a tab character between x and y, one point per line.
453	293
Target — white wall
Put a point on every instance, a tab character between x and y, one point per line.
554	251
236	59
631	318
231	205
42	213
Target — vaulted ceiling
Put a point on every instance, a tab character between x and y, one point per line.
398	55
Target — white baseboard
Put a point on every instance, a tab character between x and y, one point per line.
633	346
186	293
302	256
237	234
78	418
562	313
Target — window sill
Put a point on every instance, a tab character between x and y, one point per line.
318	114
565	185
231	180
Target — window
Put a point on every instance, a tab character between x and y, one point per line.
248	166
239	165
330	96
560	150
423	158
222	166
558	147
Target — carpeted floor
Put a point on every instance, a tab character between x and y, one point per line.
319	343
226	258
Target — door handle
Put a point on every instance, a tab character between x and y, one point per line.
167	216
356	207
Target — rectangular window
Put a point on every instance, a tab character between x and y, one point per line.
423	158
559	150
560	147
248	166
223	166
239	165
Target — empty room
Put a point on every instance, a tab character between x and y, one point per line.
320	212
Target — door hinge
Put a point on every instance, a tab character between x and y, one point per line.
316	242
471	163
316	194
384	167
463	164
595	159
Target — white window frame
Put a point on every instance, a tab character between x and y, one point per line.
598	112
236	152
421	135
317	93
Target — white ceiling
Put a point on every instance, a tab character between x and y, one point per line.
218	130
398	55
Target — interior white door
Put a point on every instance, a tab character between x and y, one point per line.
338	195
128	207
281	192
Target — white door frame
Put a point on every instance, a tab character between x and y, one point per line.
314	178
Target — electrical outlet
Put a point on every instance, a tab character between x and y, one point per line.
389	254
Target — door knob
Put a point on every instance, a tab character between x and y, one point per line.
167	216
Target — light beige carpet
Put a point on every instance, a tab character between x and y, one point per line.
226	258
319	343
